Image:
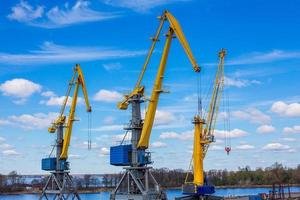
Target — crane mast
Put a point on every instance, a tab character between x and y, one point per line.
203	136
134	155
60	182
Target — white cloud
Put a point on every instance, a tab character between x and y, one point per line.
287	110
164	117
112	66
58	101
240	83
57	17
235	133
2	139
33	121
214	147
108	96
51	53
289	139
23	12
276	147
265	129
253	115
104	151
262	57
245	147
5	146
294	129
19	88
48	94
158	144
4	122
10	152
74	156
186	135
109	128
139	5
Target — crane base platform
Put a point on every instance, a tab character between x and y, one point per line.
138	183
195	190
195	197
59	186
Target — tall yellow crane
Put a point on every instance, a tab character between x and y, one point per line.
204	135
77	80
174	30
134	155
58	165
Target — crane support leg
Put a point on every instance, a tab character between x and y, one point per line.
59	184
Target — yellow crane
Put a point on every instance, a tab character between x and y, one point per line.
60	182
77	80
174	30
134	155
204	135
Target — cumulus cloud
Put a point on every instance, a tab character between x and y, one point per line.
235	133
57	17
265	129
164	117
48	94
186	135
245	147
104	151
239	83
10	152
58	101
6	146
139	5
33	121
215	147
108	96
289	139
253	115
294	129
276	147
4	122
158	144
2	139
286	110
19	88
74	156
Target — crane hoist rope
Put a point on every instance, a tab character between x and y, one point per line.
174	30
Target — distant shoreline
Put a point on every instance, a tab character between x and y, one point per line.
99	190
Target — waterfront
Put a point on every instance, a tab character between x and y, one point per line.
171	193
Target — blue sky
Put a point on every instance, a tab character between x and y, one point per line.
41	41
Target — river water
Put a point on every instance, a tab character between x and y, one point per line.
170	193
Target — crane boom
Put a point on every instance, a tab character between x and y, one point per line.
215	100
67	136
174	29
